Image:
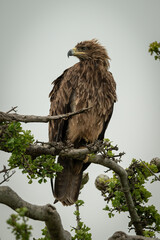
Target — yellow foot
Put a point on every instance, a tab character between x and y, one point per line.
86	159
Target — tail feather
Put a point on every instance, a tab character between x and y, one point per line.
68	182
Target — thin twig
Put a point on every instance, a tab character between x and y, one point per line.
4	170
6	179
150	170
12	109
78	219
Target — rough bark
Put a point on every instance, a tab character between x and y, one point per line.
32	118
123	236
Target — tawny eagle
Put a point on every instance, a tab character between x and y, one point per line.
87	83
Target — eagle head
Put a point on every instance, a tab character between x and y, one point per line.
90	50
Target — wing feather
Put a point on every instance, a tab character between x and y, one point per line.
60	104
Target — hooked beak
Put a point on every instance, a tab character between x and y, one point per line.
71	52
76	52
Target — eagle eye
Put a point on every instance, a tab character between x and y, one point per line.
84	48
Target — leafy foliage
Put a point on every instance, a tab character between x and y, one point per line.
154	48
81	231
42	167
138	175
16	140
19	226
45	234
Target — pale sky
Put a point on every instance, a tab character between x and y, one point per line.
35	38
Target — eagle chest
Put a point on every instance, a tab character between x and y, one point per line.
88	93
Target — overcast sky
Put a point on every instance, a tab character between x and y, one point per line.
35	38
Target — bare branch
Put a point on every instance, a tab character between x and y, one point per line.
6	175
32	118
46	213
4	170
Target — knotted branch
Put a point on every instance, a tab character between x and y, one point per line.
46	213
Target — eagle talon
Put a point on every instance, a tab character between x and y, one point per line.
86	159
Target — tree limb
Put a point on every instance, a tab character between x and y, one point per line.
46	213
32	118
121	235
125	186
56	148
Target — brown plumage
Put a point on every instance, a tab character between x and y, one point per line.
87	83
